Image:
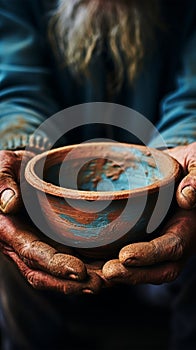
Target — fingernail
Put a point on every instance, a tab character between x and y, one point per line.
72	276
5	197
87	291
128	261
189	194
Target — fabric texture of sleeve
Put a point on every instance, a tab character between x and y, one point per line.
26	90
178	109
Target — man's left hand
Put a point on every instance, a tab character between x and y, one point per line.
162	259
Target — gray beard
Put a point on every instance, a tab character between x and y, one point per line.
79	28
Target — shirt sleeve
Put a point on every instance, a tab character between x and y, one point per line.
177	124
26	90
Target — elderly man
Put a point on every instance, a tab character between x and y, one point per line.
58	54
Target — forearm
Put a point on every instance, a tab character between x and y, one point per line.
181	133
177	123
27	94
17	129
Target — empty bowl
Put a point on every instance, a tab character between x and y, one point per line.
99	196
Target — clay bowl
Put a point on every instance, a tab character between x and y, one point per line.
97	197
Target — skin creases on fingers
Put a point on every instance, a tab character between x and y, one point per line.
185	155
138	254
10	170
177	241
163	273
42	281
186	192
67	266
40	255
168	247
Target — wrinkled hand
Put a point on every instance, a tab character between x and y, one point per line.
162	259
186	192
44	263
159	260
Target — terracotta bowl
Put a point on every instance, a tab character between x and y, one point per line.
99	196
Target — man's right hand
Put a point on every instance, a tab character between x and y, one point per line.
45	264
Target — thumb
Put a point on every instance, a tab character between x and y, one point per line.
186	192
10	199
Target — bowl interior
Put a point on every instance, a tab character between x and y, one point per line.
103	168
104	174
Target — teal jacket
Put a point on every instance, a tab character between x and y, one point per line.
34	86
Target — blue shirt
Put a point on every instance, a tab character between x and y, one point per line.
34	86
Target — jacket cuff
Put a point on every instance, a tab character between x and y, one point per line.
36	144
171	143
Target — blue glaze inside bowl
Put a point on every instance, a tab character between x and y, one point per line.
131	171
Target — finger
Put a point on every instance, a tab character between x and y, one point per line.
43	281
9	191
176	241
10	199
167	247
186	191
41	255
96	266
117	272
38	254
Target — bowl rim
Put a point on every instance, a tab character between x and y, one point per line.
48	188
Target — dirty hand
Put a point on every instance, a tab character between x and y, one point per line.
159	260
44	263
186	192
162	259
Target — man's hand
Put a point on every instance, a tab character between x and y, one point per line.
162	259
10	163
186	192
45	264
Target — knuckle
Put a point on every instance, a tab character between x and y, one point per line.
27	261
173	245
5	175
9	163
177	247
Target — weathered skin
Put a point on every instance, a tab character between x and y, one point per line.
186	193
162	259
47	265
44	263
